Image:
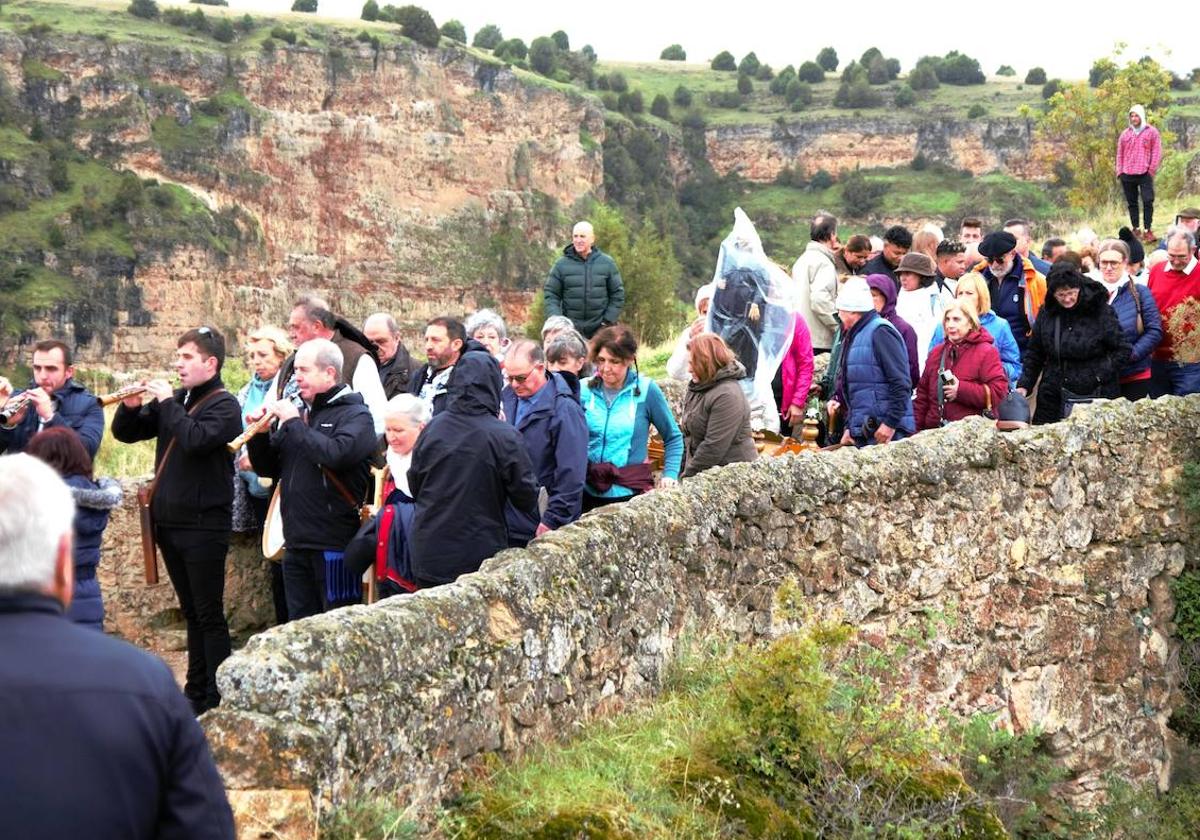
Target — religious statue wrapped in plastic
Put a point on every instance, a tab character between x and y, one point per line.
752	310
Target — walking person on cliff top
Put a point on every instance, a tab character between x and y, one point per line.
585	284
1139	152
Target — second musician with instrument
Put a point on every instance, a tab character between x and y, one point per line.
192	501
322	462
53	398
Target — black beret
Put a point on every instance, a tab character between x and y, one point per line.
997	244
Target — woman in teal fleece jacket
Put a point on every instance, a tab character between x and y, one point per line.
621	405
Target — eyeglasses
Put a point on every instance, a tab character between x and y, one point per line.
1000	260
1110	263
520	378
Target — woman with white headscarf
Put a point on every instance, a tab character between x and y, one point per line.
1139	152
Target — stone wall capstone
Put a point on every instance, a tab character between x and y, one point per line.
1052	549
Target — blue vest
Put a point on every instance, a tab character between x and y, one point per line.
866	388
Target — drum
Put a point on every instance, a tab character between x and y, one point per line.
272	533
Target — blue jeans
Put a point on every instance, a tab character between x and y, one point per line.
1175	378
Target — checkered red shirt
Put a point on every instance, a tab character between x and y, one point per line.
1139	153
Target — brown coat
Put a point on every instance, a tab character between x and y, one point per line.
716	422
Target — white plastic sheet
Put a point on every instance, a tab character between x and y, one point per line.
752	310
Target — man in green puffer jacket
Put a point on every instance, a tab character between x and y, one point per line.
585	284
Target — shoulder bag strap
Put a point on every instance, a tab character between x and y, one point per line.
341	488
941	395
171	446
1137	302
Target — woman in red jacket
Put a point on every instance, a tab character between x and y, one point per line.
963	375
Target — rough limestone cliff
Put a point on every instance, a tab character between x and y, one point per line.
398	178
840	144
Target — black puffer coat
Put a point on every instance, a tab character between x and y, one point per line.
1087	355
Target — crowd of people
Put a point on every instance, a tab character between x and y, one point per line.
363	464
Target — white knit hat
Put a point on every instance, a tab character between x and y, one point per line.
855	296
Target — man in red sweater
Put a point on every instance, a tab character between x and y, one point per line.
1175	282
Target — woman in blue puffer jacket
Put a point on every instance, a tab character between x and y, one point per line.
61	448
1137	313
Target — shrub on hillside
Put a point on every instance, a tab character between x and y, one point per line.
683	97
513	50
418	24
617	82
904	97
1051	87
976	111
223	31
370	10
877	71
959	69
455	31
821	180
488	37
749	64
810	72
861	196
284	34
673	53
924	75
147	9
1035	76
661	107
724	60
798	92
857	95
1005	70
561	40
631	102
543	56
744	85
765	73
780	82
827	58
210	2
304	6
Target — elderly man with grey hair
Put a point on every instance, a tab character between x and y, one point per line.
311	317
585	284
320	455
1175	283
79	705
395	362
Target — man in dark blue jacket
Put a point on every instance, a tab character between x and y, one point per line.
322	461
875	384
95	739
56	399
466	465
543	408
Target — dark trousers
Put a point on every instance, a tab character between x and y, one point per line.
1139	389
1144	183
195	562
278	599
591	502
304	582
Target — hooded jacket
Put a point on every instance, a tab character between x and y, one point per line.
555	434
75	406
1089	355
195	489
466	465
338	435
716	422
588	291
1139	151
975	362
882	284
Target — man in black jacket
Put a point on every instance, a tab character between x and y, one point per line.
467	463
445	342
193	496
322	461
395	363
95	739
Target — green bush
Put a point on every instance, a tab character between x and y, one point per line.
304	6
744	85
418	24
455	31
810	72
682	97
223	31
724	60
924	76
861	197
488	38
976	111
821	180
661	107
749	64
827	58
765	73
857	94
904	97
779	84
1051	87
617	82
675	52
1005	70
1036	76
284	34
798	92
543	56
370	10
147	9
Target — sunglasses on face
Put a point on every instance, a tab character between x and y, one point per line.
520	378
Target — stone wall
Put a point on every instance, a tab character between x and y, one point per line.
1051	551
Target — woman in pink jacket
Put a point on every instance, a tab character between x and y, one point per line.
797	375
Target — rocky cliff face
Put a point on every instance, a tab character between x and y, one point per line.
395	178
839	144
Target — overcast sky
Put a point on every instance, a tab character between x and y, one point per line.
1071	36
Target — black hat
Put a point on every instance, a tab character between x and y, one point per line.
1012	413
1187	213
1063	275
997	244
1137	253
